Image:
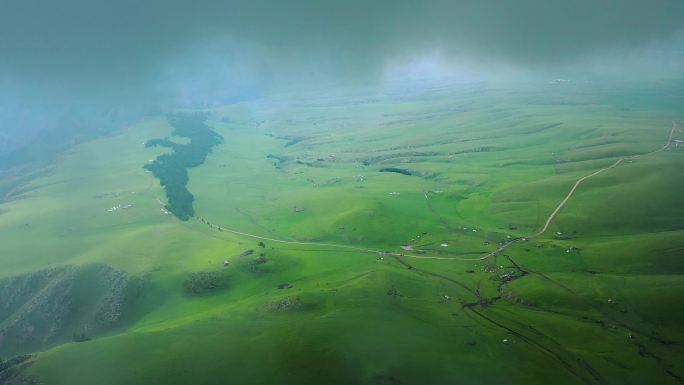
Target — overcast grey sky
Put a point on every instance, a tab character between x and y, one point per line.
59	55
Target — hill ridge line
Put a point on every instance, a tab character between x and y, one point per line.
500	249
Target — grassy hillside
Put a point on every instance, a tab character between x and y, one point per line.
327	179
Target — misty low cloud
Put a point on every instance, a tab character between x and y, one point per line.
150	55
93	41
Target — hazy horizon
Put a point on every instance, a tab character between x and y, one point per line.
122	60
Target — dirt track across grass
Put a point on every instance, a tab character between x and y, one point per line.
500	249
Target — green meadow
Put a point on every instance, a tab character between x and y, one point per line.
105	285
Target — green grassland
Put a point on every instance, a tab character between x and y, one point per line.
101	284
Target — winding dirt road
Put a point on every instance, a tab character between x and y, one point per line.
570	194
361	249
582	179
572	191
500	249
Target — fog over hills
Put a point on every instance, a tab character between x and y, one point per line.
112	61
372	192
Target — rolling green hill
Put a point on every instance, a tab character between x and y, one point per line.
285	264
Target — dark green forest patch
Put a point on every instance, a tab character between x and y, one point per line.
172	169
402	171
202	282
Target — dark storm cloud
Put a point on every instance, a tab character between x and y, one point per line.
76	41
97	56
